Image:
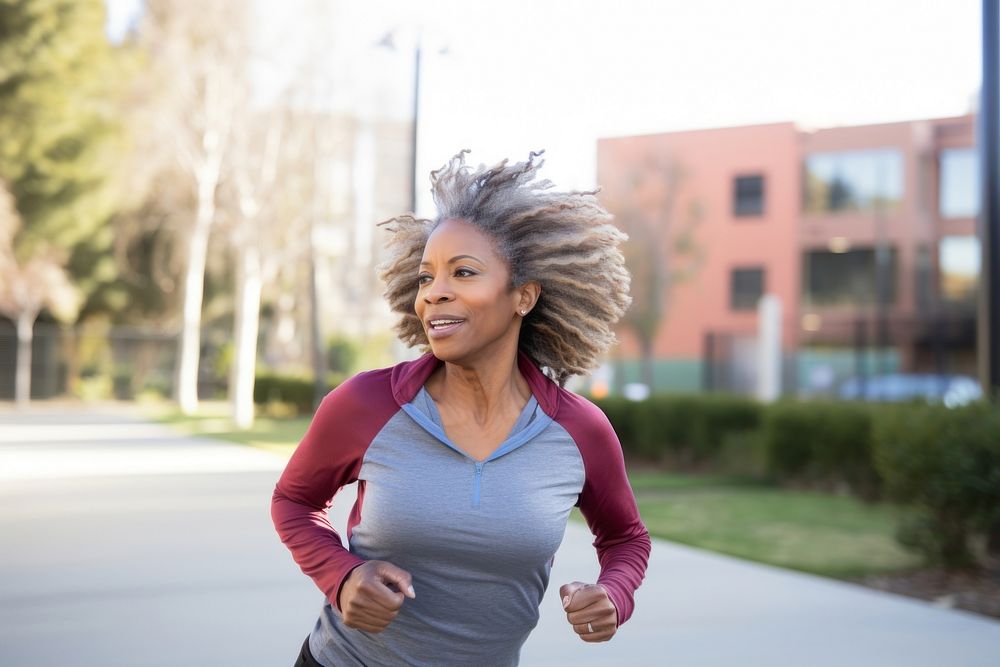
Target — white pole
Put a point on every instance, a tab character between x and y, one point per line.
768	348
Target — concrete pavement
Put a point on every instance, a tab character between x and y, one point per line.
125	544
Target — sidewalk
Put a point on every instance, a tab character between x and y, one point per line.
126	544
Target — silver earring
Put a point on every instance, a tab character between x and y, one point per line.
523	313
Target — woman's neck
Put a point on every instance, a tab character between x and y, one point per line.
483	390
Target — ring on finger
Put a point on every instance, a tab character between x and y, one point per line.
590	628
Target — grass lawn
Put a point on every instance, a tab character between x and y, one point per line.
836	536
275	435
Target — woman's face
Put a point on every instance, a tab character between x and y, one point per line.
464	299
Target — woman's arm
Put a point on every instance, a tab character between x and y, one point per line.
327	458
608	503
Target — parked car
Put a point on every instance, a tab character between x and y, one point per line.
952	390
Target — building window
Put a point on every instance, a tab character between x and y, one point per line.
847	278
748	196
853	180
746	286
958	265
924	279
958	183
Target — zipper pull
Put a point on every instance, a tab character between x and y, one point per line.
477	482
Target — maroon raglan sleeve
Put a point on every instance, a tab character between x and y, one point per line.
607	502
327	458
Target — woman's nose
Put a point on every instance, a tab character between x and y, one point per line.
438	298
438	292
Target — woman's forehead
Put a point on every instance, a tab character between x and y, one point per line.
459	236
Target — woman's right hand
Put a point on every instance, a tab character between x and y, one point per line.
366	600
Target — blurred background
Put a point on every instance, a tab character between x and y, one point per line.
189	194
191	190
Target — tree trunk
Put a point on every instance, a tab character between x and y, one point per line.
194	284
316	325
248	291
646	347
22	382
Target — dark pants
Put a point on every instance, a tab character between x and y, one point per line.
306	658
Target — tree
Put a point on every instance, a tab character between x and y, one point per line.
251	163
660	236
59	143
28	287
254	170
199	53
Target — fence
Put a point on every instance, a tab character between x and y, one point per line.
106	362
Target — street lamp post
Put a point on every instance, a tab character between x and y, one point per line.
415	126
388	41
989	209
882	272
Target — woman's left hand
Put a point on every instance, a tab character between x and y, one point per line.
590	611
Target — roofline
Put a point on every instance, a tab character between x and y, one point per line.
692	130
794	125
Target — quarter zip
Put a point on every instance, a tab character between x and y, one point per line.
430	421
477	482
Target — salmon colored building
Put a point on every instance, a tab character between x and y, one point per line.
866	236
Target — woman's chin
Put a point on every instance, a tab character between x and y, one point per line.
444	350
459	355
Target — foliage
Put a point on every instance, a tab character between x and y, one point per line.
945	462
59	141
341	354
27	286
661	250
830	535
821	444
687	432
621	412
295	391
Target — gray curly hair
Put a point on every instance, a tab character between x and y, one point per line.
563	240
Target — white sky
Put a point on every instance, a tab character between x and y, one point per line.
528	74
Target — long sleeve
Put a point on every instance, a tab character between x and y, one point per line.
608	503
328	457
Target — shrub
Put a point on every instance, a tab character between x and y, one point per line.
724	416
341	354
295	391
685	431
621	415
821	444
945	462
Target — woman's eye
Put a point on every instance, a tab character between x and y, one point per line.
464	273
423	279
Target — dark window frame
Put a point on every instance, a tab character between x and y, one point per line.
739	300
750	203
849	279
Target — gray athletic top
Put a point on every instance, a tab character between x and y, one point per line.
477	537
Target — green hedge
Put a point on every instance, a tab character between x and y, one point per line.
822	445
684	431
621	412
945	463
296	391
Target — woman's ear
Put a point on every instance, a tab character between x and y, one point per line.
528	294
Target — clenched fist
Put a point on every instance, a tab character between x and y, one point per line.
366	600
590	611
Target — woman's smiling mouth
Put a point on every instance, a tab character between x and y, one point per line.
438	327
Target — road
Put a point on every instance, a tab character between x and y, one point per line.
125	544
